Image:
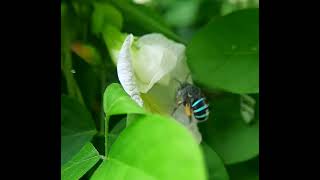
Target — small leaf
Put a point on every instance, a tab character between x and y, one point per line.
77	128
85	159
104	14
116	102
228	48
155	148
215	166
226	132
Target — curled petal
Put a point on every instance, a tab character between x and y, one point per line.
125	71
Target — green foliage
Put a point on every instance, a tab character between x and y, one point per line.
113	39
105	14
132	154
87	157
132	143
182	13
248	170
230	6
115	132
214	163
116	101
228	48
228	134
77	128
147	149
145	18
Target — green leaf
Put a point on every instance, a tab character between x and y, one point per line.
77	128
145	18
85	159
153	147
214	164
248	170
116	101
228	48
226	132
103	14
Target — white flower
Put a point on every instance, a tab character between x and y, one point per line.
155	57
148	69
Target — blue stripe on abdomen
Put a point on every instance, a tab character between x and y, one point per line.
201	108
197	102
201	116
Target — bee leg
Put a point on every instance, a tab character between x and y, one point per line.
176	107
174	110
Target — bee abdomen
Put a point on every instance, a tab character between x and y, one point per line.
200	109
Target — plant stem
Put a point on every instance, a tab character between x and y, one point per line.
104	121
106	136
103	83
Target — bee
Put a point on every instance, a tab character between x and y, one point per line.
193	100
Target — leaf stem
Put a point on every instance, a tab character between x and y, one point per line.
104	119
103	83
106	135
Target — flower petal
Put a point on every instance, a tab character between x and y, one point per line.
125	71
155	58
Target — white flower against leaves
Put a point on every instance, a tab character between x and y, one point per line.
147	69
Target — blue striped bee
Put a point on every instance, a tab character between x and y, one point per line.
193	101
